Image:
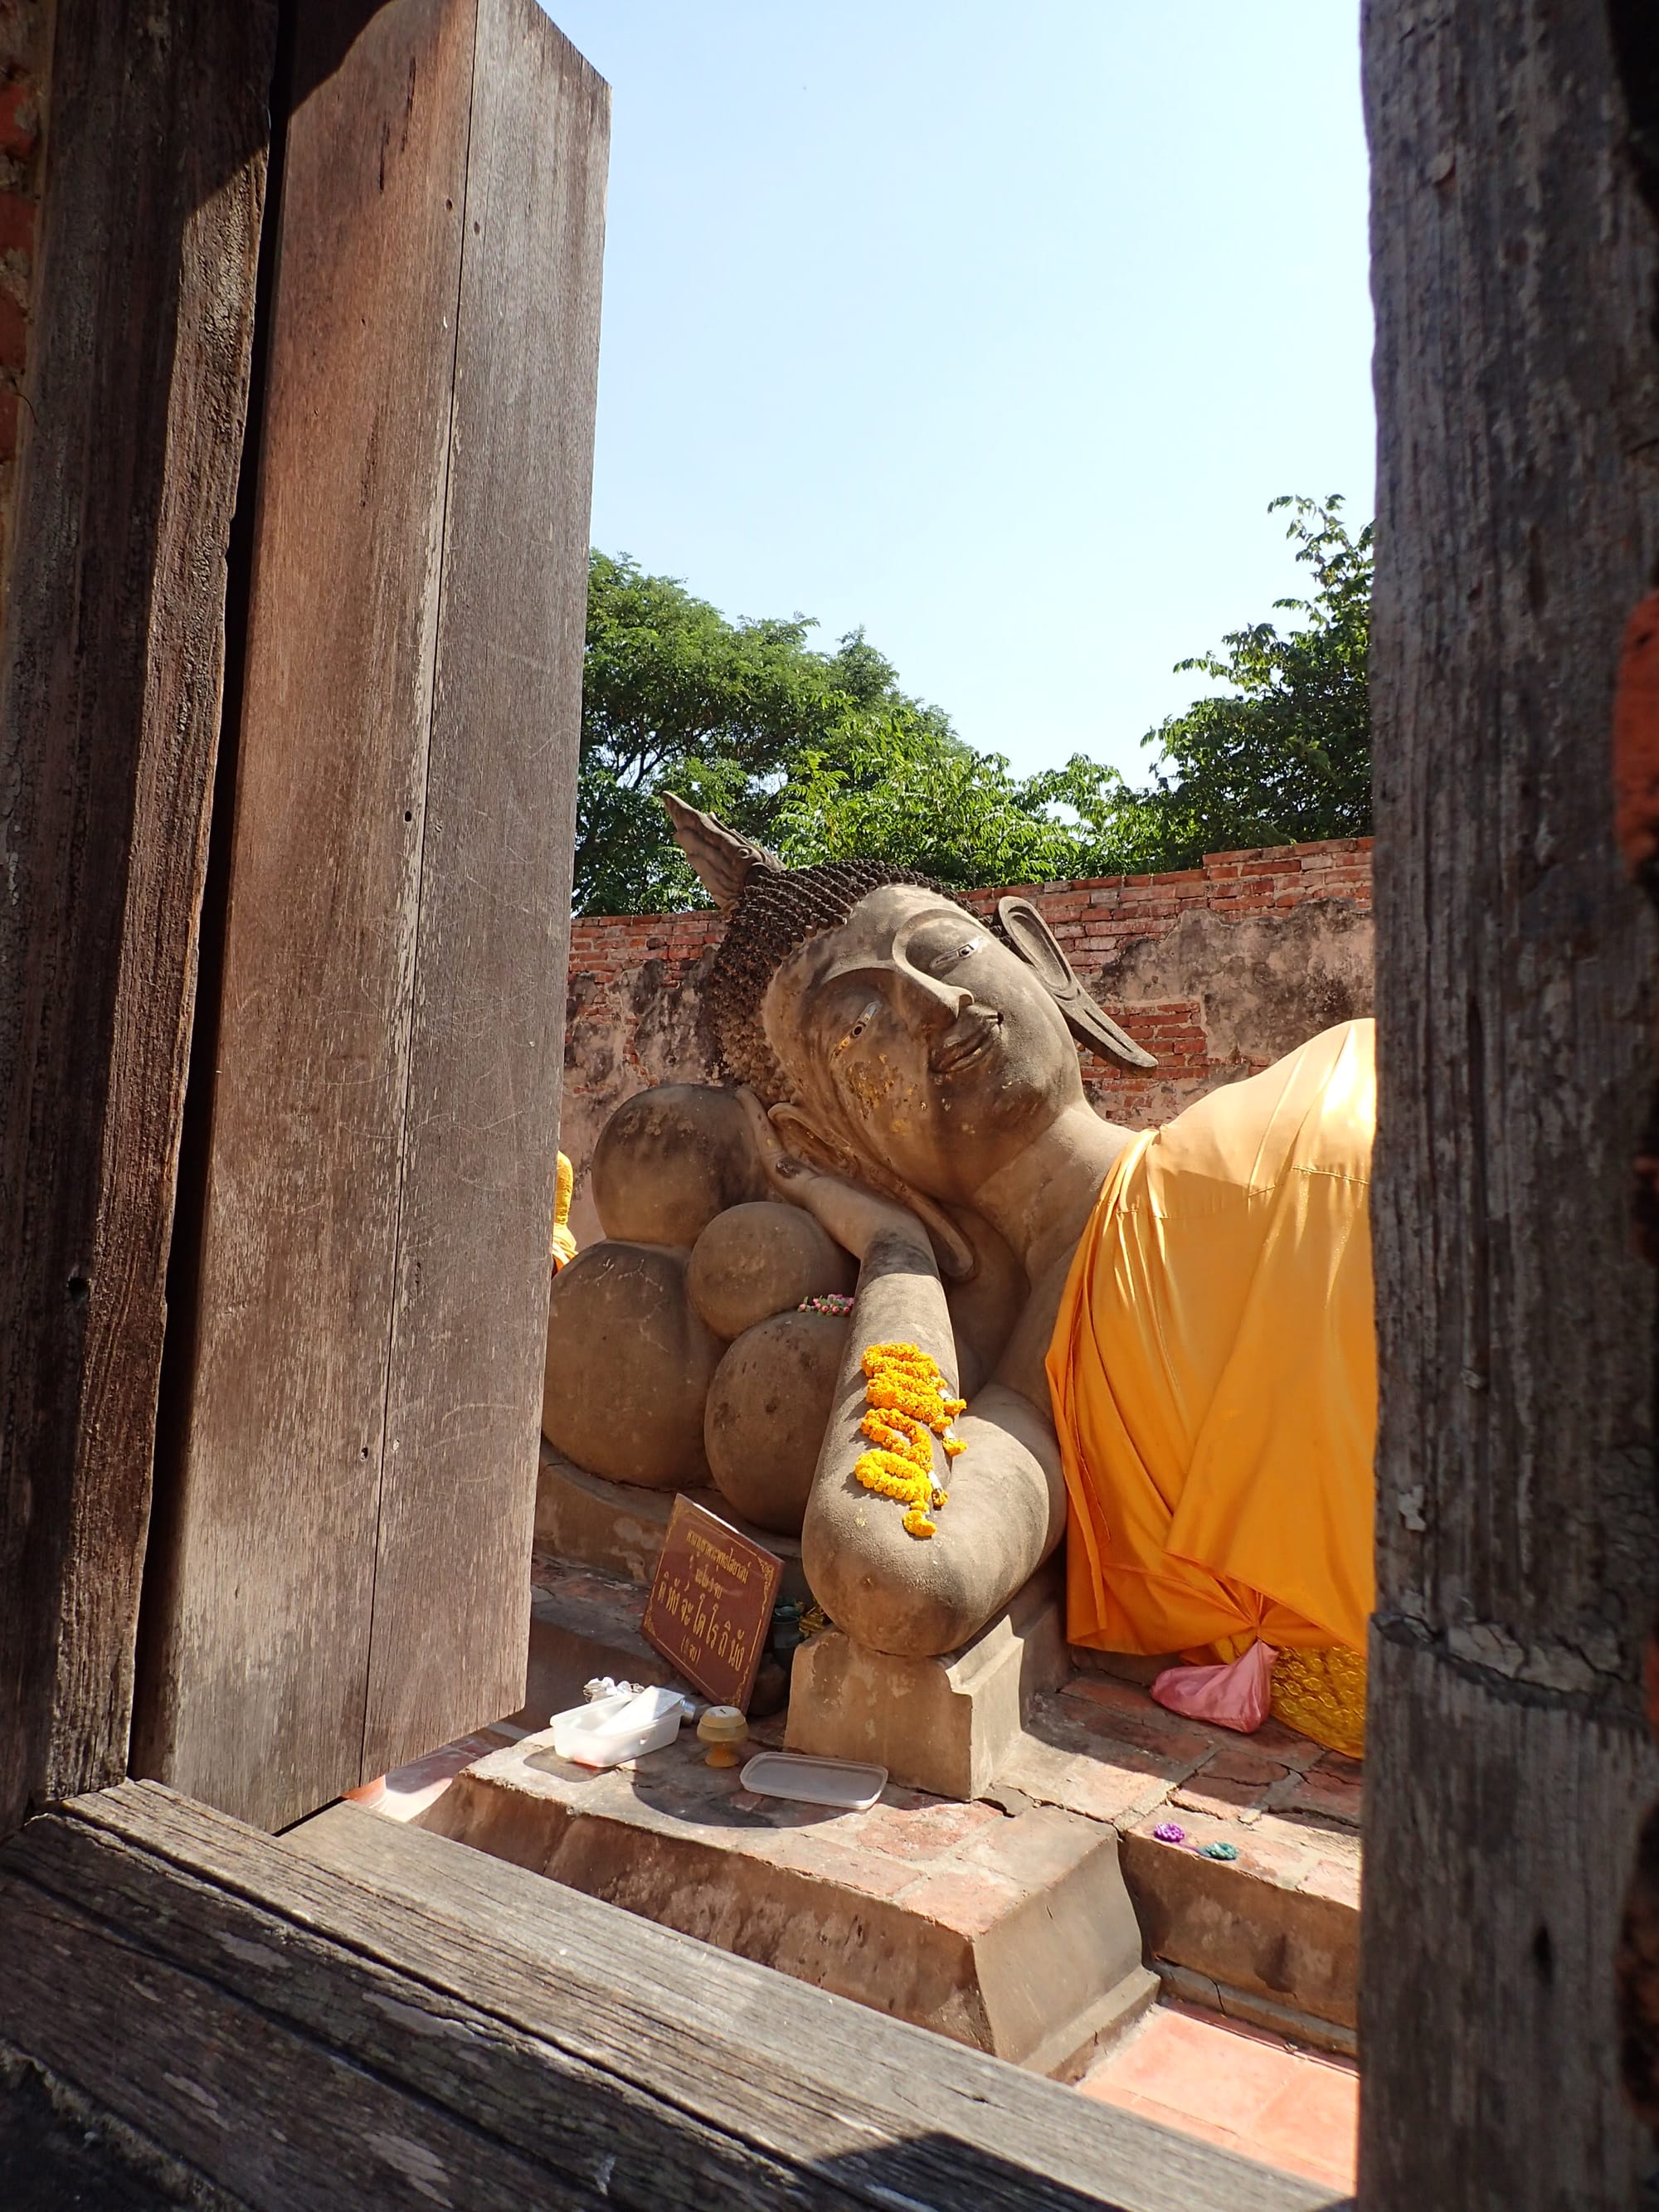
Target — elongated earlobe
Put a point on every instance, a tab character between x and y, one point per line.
1091	1025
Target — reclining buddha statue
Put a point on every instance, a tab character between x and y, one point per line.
1185	1392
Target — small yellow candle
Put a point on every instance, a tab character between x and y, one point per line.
722	1727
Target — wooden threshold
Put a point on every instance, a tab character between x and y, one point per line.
398	2019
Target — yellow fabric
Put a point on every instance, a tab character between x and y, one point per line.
564	1244
1213	1372
1322	1693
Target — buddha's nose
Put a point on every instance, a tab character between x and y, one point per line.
938	1004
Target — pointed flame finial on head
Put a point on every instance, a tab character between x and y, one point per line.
723	860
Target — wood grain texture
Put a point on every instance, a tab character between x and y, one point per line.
1505	1825
281	2121
1517	1566
258	1699
109	712
358	1458
1515	392
60	2152
633	2065
469	1323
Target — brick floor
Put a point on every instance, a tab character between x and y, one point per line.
1288	1808
1249	2091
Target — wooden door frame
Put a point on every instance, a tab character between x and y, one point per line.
110	684
109	688
351	1390
1517	384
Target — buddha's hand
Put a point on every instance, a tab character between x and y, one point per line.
852	1213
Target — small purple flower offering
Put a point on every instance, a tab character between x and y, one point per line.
1167	1832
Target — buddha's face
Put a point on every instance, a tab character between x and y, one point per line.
913	1034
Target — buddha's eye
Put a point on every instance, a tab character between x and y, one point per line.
958	952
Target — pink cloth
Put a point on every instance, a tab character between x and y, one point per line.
1236	1695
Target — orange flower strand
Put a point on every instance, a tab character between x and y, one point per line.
908	1406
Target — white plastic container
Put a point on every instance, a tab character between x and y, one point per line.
615	1729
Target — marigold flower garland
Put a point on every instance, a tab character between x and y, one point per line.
908	1408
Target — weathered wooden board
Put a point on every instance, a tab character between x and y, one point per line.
58	2149
109	717
626	2063
259	1692
1507	1821
1518	1565
359	1412
469	1325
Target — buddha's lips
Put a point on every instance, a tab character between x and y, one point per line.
966	1040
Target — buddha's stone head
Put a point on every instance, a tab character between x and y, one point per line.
892	1035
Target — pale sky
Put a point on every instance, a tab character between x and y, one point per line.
991	329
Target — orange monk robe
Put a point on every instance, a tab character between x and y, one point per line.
564	1244
1213	1371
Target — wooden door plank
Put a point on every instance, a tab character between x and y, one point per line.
258	1697
459	2047
1518	1542
469	1315
797	2074
109	703
284	2119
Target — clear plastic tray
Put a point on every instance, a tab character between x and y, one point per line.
847	1783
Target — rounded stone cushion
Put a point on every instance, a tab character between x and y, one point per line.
761	1259
670	1159
628	1366
769	1405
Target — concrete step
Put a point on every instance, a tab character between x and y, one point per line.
1270	1936
863	2108
1012	1934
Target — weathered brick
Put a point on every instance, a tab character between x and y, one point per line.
14	333
1094	918
969	1899
1034	1849
1336	1879
929	1832
20	118
18	214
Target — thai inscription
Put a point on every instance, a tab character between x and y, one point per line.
711	1603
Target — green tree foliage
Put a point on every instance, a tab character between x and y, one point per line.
1285	756
818	755
955	814
822	756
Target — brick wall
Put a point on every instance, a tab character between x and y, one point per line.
25	37
1218	971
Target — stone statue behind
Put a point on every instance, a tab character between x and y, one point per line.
909	1083
908	1125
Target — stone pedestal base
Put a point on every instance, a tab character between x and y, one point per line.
616	1530
1012	1935
944	1725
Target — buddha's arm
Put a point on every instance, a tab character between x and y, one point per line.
918	1596
1006	1507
